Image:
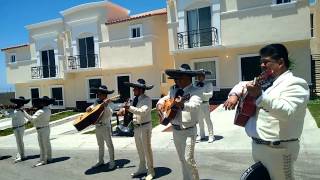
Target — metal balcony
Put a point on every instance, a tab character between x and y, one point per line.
41	72
198	38
82	61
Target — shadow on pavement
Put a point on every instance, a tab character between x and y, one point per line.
160	171
32	157
59	159
5	157
120	163
217	137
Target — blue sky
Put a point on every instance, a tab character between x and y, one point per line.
15	14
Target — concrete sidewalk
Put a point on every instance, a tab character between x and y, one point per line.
229	137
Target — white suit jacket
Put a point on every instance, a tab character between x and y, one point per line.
207	91
281	109
189	116
105	119
41	118
142	111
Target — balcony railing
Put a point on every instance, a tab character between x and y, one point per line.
40	72
83	61
198	38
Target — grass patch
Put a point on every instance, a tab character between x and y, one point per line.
54	117
314	108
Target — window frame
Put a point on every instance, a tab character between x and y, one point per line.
88	87
33	87
216	87
63	99
136	26
10	58
312	29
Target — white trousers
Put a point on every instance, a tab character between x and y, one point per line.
44	144
142	136
103	134
18	133
184	140
278	160
205	116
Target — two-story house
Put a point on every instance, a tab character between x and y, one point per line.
315	44
92	44
224	36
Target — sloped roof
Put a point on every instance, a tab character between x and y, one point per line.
139	16
14	47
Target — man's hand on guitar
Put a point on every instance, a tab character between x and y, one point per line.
254	90
231	102
88	109
179	103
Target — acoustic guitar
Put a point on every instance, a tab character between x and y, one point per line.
247	104
89	118
169	110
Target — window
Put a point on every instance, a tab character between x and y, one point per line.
34	94
312	2
209	66
57	94
282	1
311	25
199	27
163	78
93	83
87	55
135	31
48	68
13	58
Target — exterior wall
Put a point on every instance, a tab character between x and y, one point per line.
229	67
149	51
315	41
265	24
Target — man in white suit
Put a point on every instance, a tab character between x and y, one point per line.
141	107
40	121
276	127
207	90
103	126
184	123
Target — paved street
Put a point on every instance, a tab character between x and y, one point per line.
213	165
75	152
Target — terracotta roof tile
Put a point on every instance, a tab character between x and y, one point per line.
139	16
14	47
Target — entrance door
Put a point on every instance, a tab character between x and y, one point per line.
123	90
34	94
250	67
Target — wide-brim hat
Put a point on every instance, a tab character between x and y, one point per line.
20	100
205	72
184	69
141	83
44	99
102	89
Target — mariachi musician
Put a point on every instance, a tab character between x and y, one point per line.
277	125
103	126
141	107
18	125
207	90
40	121
184	123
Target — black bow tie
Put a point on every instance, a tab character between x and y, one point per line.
267	83
135	101
179	92
200	84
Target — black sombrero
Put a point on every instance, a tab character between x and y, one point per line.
101	89
19	100
141	83
204	72
184	69
44	99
